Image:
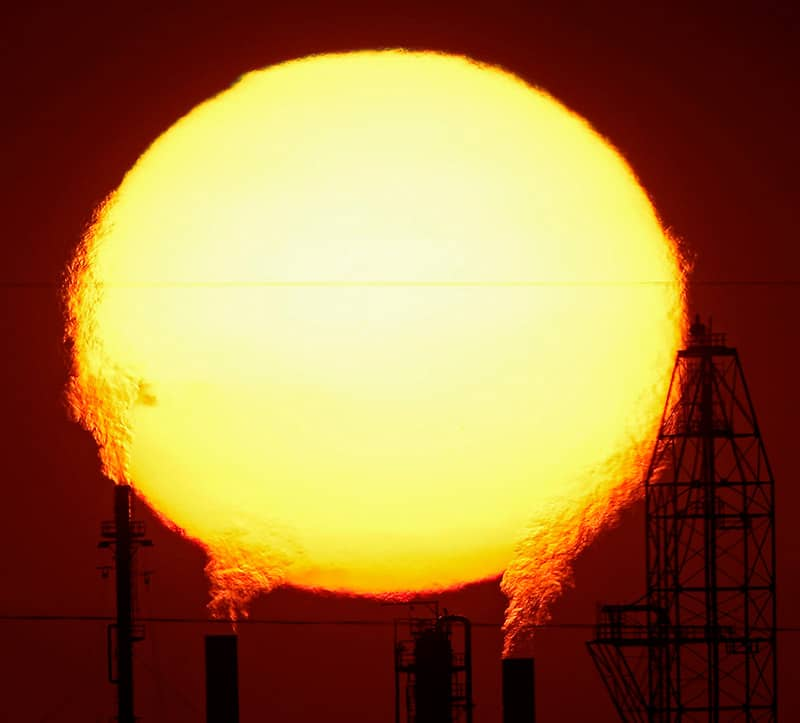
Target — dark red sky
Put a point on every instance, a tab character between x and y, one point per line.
702	102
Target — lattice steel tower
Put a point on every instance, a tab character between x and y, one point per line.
700	646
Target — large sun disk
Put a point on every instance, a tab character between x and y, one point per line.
362	320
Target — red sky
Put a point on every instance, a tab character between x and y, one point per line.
702	102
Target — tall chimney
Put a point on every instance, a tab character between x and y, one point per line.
518	691
222	679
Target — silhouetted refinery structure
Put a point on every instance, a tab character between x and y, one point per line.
433	671
700	645
432	666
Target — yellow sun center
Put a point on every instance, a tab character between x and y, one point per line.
362	320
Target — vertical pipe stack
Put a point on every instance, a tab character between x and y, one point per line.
222	679
518	691
433	655
122	561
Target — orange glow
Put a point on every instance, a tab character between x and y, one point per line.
377	322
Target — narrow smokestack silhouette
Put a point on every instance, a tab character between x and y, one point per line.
222	679
518	691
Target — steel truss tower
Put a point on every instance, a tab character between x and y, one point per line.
700	646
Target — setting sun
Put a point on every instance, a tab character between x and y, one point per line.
377	322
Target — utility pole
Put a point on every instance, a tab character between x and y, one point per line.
125	535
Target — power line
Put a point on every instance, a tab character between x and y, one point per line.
211	621
290	622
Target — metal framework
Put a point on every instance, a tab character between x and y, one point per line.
125	535
700	646
433	667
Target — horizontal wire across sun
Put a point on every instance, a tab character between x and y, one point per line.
311	283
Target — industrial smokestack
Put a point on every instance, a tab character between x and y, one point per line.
222	679
518	691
